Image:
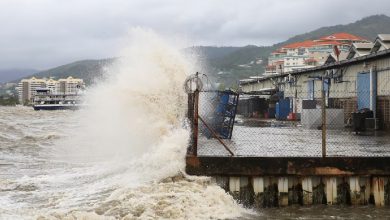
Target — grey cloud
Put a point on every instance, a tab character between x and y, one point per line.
45	33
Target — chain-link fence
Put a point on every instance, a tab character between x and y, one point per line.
320	118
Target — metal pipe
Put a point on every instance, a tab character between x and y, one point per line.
373	92
323	118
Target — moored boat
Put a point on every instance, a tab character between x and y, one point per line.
44	99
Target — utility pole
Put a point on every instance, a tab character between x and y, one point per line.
323	107
196	116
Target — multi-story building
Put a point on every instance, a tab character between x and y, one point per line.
69	85
310	53
360	82
27	87
52	85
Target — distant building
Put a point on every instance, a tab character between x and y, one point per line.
27	87
382	42
310	53
359	49
360	82
69	85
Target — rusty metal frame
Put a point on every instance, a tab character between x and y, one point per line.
216	136
196	123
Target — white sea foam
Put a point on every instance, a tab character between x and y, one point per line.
122	156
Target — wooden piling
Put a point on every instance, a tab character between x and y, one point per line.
258	189
283	191
223	182
387	191
258	184
246	191
331	190
365	188
295	191
343	191
319	188
378	190
307	188
355	190
270	197
234	184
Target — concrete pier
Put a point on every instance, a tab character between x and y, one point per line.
279	182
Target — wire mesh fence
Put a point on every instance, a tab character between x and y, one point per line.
313	120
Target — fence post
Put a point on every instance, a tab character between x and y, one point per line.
195	123
323	107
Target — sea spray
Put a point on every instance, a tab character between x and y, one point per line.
123	155
138	115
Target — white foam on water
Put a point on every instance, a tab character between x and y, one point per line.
116	162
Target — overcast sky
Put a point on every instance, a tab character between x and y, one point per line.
46	33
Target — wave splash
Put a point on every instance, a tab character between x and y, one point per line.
132	141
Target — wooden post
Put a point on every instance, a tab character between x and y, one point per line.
307	188
378	190
223	182
258	185
258	189
331	190
323	118
196	124
354	185
283	191
365	188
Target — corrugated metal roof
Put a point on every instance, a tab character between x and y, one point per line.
342	36
371	56
384	37
363	45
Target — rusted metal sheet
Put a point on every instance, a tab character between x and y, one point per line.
277	166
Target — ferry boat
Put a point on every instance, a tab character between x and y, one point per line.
44	99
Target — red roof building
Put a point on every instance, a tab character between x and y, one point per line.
310	43
309	53
342	36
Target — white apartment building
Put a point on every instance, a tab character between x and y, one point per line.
27	87
69	85
309	53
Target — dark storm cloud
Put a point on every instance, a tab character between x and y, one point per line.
45	33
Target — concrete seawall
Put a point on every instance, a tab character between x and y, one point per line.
278	182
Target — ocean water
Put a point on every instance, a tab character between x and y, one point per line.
41	179
120	157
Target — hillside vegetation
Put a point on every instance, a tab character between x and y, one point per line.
229	64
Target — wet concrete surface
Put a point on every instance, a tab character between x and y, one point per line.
270	138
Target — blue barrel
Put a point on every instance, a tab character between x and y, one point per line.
282	109
223	102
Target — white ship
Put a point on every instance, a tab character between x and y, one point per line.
44	99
